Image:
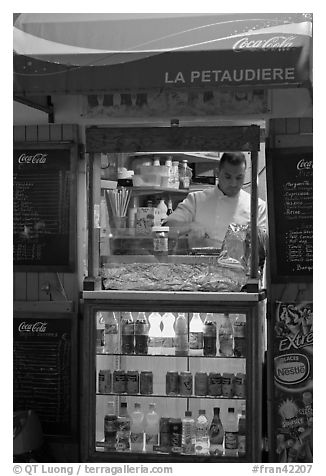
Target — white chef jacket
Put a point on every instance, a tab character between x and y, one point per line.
215	211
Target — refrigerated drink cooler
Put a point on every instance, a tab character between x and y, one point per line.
149	373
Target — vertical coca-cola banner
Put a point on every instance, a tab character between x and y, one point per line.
293	382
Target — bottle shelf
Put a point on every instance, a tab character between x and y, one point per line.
172	355
157	395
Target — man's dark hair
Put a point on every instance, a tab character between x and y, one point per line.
234	158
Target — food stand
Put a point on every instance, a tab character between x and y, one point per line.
159	88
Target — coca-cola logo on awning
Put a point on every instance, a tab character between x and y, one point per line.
38	158
279	43
39	326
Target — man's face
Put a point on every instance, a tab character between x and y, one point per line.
231	178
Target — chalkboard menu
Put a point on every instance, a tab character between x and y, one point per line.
290	201
42	371
43	197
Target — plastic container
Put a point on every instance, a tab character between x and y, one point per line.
225	335
137	429
181	334
201	432
127	333
111	333
168	333
188	434
141	334
231	434
123	429
216	434
152	428
155	334
239	334
196	333
160	236
110	427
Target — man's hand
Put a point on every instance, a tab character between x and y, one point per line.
197	231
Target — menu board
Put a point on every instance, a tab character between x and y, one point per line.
42	371
290	201
42	216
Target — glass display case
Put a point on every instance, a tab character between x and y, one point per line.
173	341
193	355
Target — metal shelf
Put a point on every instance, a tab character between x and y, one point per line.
157	395
172	355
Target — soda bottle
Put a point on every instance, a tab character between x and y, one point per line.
242	433
201	433
110	427
225	335
111	333
127	333
209	338
181	334
239	335
216	434
141	334
155	339
188	434
100	329
168	333
137	429
123	429
152	428
231	434
184	175
196	340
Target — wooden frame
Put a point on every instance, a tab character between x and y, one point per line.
72	148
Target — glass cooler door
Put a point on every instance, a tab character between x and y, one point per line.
153	368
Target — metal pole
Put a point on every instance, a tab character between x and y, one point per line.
253	213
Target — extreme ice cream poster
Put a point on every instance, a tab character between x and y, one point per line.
293	383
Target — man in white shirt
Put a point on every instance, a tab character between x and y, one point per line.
208	213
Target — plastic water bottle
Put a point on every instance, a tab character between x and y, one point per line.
123	431
137	429
127	333
110	427
168	333
111	333
216	434
188	434
181	334
155	334
231	434
239	334
152	428
201	433
242	433
225	335
196	333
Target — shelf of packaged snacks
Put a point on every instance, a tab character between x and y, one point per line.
157	395
173	356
